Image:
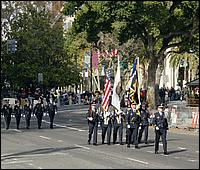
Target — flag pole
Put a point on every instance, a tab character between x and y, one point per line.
139	80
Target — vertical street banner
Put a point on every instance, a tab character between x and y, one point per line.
95	60
133	84
87	59
116	89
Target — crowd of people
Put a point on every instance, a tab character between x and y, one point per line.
135	119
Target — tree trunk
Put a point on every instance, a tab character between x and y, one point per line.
152	86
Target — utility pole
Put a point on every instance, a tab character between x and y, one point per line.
91	70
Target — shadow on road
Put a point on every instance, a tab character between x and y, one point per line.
176	151
37	151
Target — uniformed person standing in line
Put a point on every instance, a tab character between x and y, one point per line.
51	110
118	120
92	118
132	122
161	127
38	111
28	108
107	125
7	111
18	113
144	125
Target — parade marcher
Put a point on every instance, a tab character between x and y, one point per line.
18	113
161	127
144	125
92	118
51	110
107	125
132	122
7	111
38	111
118	119
28	108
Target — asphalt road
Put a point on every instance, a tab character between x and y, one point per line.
66	147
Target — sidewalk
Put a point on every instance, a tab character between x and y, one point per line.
184	116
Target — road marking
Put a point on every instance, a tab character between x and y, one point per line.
60	140
192	160
39	167
80	130
182	148
136	160
54	124
44	137
17	130
82	146
31	164
150	151
197	151
15	162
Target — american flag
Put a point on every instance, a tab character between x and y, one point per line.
107	92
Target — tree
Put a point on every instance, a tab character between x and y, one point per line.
159	25
40	47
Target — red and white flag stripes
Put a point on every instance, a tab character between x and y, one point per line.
107	94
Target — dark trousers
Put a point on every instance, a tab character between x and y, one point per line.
115	130
39	119
144	128
28	118
7	120
132	134
163	134
93	127
51	116
108	129
18	117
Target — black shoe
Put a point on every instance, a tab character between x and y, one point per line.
137	147
108	143
165	153
7	128
121	144
102	142
114	143
128	146
17	127
146	142
39	127
156	152
88	143
51	127
27	127
95	144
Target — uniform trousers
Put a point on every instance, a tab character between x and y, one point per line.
163	134
106	129
115	130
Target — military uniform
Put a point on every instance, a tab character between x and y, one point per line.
161	127
118	120
18	113
144	125
132	122
7	111
51	110
107	126
92	118
27	112
38	111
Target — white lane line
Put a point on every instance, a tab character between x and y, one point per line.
39	167
54	124
80	130
60	140
192	160
150	151
136	160
15	162
31	164
197	151
182	148
17	130
82	146
44	137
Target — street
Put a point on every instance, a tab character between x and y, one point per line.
66	147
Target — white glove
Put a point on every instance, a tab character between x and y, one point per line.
90	118
128	126
139	127
157	128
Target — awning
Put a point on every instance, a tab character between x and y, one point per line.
193	83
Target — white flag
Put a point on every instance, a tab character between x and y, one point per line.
116	90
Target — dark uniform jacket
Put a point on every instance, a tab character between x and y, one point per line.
7	111
144	117
92	114
38	109
160	121
17	110
133	118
